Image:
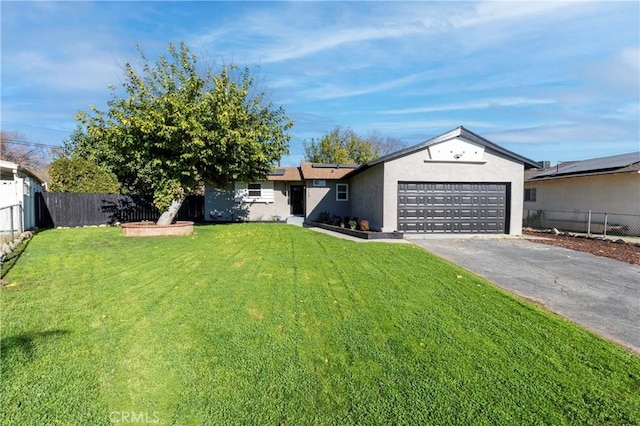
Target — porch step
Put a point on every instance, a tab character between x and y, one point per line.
295	220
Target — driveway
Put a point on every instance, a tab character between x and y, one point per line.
602	295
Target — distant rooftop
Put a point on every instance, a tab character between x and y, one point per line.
326	171
285	173
603	165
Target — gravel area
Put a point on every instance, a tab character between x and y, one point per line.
615	249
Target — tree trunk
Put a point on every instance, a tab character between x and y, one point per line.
168	215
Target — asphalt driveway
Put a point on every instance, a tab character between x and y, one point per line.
602	295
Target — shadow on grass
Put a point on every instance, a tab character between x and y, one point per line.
22	345
12	258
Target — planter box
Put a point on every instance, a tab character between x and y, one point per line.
149	229
367	235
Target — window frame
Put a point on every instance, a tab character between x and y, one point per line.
319	182
530	195
344	191
259	189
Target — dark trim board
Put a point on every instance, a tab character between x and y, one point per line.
454	207
366	235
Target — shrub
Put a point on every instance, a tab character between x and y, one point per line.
353	223
324	217
364	225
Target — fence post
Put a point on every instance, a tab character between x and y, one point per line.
605	225
20	218
11	221
589	224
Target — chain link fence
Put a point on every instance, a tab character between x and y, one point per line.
583	221
10	223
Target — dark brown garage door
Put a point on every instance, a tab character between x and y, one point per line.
434	207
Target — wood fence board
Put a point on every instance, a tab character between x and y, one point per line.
55	209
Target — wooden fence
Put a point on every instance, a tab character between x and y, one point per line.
55	209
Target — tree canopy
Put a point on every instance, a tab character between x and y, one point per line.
176	128
344	146
81	175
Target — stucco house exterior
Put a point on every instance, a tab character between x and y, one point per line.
276	198
562	195
458	182
18	186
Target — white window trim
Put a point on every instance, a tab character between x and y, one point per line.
343	191
266	192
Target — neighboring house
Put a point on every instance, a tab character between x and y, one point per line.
457	182
562	195
18	186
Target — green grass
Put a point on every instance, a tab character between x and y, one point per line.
268	324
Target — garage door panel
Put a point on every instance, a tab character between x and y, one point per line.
449	207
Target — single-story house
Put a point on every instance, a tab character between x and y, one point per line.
562	195
458	182
18	186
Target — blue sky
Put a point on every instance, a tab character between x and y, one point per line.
548	80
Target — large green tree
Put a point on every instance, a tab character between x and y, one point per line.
344	146
175	128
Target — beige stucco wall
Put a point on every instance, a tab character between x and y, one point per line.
323	198
494	167
613	193
366	193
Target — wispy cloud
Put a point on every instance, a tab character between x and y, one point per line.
332	91
487	13
539	75
480	104
73	72
620	70
302	30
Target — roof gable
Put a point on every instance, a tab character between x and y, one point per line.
459	138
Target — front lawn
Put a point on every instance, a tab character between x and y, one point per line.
275	324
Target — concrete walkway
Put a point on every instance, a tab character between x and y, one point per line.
601	294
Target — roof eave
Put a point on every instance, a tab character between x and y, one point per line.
457	132
626	170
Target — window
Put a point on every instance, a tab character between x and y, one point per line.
342	192
255	190
530	194
319	183
6	174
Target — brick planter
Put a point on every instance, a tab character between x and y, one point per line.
150	229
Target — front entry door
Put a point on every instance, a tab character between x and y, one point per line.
296	199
